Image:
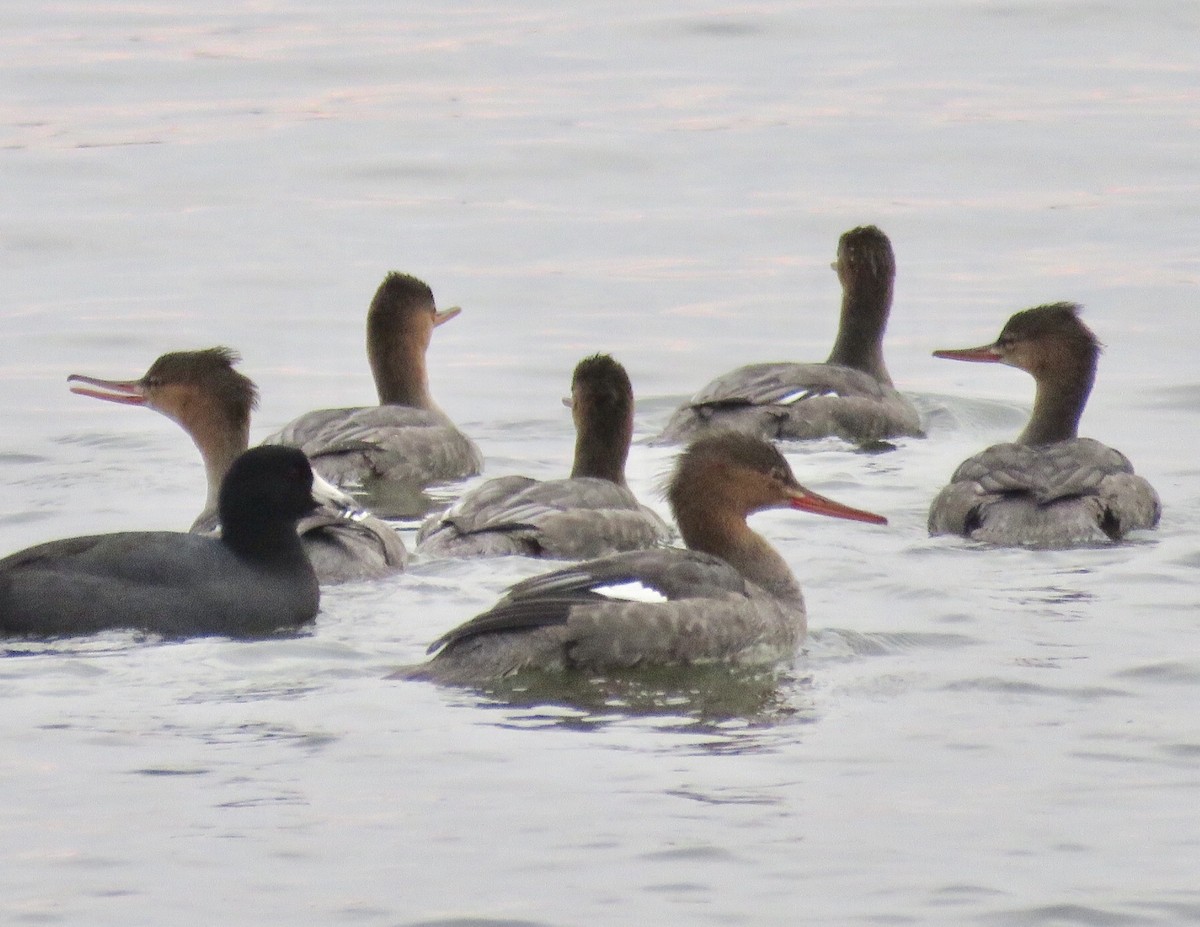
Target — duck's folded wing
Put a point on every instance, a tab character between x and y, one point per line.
645	576
786	384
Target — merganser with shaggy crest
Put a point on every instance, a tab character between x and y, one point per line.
406	439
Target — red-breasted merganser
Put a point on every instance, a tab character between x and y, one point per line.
849	396
591	514
406	439
1050	488
730	598
202	392
252	581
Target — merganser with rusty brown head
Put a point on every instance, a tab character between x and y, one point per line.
592	513
1049	488
406	439
730	598
849	396
203	393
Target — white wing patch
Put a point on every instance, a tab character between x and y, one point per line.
800	395
632	591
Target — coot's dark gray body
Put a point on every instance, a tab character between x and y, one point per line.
252	582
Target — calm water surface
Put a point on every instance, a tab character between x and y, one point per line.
971	736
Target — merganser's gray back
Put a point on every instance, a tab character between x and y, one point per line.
1070	493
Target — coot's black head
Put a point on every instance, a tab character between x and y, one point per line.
266	485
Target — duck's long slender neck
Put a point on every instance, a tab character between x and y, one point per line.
220	442
726	535
398	365
602	447
859	342
1059	402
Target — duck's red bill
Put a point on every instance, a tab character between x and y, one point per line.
129	392
984	354
808	501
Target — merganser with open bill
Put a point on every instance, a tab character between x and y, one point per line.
251	582
590	514
1050	488
203	393
728	599
849	396
406	439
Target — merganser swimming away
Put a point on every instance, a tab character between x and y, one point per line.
590	514
849	396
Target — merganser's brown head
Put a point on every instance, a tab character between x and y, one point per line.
732	474
865	259
1051	343
400	325
200	391
1041	341
601	403
188	387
